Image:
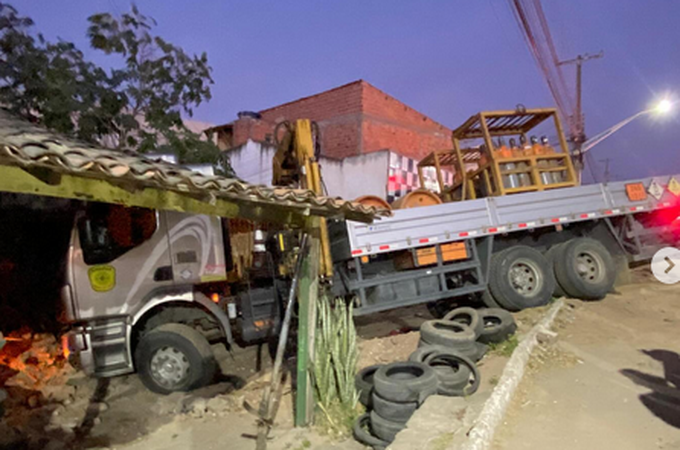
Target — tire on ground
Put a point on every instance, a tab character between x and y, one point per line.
393	411
471	349
551	256
467	316
498	325
405	382
364	434
519	279
190	356
585	269
446	333
363	382
466	384
383	428
447	373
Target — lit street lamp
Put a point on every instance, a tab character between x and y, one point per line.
663	107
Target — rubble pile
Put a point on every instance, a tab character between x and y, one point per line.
34	362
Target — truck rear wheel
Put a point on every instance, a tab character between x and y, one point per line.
584	268
519	278
551	256
174	357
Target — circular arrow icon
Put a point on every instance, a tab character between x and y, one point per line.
666	265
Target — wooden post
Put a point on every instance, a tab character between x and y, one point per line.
307	298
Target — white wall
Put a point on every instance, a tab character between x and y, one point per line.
349	178
252	162
357	175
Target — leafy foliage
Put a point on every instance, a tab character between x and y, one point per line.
137	106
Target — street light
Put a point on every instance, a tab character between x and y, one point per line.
663	107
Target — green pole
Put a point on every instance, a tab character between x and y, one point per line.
308	295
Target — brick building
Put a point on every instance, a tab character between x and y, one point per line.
354	119
363	131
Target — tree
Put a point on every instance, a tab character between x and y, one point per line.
138	106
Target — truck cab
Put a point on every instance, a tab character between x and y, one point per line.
148	291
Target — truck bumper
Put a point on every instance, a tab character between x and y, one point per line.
77	348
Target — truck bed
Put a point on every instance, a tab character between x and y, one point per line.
418	227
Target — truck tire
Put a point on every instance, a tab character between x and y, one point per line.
446	333
421	354
467	316
471	349
364	434
446	373
465	384
585	269
393	411
405	382
174	357
498	325
363	382
551	256
383	428
488	300
519	278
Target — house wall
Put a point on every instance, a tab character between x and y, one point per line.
354	119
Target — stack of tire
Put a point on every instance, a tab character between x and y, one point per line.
452	345
443	364
391	394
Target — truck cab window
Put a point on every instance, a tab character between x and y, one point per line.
109	231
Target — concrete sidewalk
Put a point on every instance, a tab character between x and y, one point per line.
611	381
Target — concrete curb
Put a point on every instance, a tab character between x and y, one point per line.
481	435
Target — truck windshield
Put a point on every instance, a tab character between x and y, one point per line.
109	231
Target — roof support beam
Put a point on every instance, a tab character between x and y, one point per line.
49	183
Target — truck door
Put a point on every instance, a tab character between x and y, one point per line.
121	255
197	248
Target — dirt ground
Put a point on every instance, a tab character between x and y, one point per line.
80	412
610	381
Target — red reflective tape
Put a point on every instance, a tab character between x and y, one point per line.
423	241
493	230
584	216
522	225
357	252
609	211
464	234
555	220
384	247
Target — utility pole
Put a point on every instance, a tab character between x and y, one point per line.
606	169
579	137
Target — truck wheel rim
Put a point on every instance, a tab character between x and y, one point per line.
169	367
590	267
525	277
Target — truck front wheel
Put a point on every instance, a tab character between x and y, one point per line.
174	357
519	278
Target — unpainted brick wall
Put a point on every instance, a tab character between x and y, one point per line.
354	119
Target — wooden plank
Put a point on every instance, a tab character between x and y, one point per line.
307	298
48	183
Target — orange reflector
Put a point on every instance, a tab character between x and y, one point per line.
215	297
64	346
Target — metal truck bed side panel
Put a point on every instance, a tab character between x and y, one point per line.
456	221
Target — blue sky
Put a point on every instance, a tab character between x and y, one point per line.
448	59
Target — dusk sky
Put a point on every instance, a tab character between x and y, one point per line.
446	59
